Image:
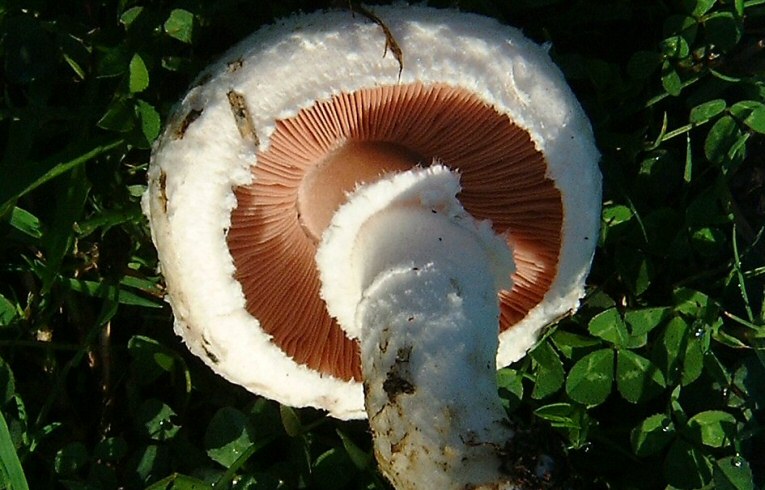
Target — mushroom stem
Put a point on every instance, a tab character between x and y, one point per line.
428	324
430	379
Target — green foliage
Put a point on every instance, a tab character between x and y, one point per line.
180	25
657	382
10	467
590	379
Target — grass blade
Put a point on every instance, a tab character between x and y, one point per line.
9	460
18	182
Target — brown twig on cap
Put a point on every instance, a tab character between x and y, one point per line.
180	131
242	116
390	41
163	190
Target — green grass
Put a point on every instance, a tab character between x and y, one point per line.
658	382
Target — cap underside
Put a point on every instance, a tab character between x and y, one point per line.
279	216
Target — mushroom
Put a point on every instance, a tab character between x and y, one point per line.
373	235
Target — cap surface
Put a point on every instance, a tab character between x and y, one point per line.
309	107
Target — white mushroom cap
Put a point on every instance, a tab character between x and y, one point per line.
232	140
